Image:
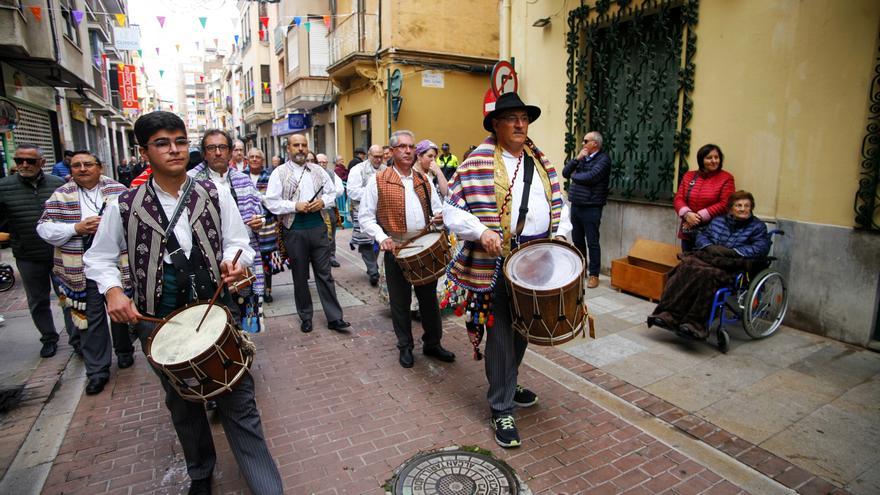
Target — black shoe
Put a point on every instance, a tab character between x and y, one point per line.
524	397
334	263
506	434
210	405
96	385
406	357
200	487
416	315
338	325
78	351
267	298
124	361
690	331
374	280
49	349
306	326
440	353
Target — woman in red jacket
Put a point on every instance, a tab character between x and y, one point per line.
702	194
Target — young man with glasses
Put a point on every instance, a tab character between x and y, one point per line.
590	174
181	229
22	198
484	211
69	222
358	177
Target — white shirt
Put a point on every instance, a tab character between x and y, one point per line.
57	233
415	216
337	185
219	180
356	185
101	259
254	179
468	227
280	206
240	166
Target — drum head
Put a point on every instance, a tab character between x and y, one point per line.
177	340
544	266
424	242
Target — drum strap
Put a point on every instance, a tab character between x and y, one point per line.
188	277
430	211
528	174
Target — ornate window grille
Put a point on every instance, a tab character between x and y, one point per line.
630	76
867	203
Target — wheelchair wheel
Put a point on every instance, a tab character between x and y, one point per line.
7	277
765	304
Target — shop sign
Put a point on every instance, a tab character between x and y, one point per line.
295	122
21	86
128	87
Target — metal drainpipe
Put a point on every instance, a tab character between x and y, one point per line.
504	31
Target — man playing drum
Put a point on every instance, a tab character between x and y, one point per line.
484	211
398	203
184	236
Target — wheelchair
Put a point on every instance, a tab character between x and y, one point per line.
7	277
758	302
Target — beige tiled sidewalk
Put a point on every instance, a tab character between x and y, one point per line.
808	399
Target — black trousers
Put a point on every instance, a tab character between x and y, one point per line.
241	423
96	339
37	279
400	296
311	245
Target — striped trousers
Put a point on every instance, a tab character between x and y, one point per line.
505	348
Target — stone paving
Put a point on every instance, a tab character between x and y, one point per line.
340	414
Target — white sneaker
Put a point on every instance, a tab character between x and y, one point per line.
2	320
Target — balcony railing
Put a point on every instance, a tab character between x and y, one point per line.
98	77
357	33
267	97
247	103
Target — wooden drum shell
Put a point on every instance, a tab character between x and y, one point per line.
427	265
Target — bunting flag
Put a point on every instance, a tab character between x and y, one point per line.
172	106
203	20
120	67
266	87
327	21
143	71
215	42
308	27
161	72
297	21
198	46
77	16
178	47
161	19
37	12
157	50
236	39
120	19
140	53
265	22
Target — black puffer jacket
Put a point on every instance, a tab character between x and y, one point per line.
589	179
21	204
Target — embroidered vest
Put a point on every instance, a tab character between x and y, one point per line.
391	207
290	187
145	236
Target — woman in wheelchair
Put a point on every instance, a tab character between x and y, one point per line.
731	244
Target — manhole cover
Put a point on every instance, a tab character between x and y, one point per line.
455	472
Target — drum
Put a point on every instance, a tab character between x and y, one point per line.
545	279
199	365
424	258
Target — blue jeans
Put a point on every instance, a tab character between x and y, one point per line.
585	222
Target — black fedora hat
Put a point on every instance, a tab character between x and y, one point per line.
509	101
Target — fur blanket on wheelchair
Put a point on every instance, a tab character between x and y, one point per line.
690	289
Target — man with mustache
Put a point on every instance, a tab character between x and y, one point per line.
69	222
297	192
486	211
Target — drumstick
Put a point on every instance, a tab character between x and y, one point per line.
150	319
317	193
216	294
410	246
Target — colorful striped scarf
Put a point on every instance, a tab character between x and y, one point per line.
64	207
249	205
478	187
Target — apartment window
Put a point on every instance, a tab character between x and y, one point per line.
292	49
69	27
319	48
246	28
265	84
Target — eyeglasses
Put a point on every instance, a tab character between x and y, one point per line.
513	119
252	157
83	165
213	148
164	145
406	146
30	161
377	157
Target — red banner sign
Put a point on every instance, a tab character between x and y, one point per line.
128	88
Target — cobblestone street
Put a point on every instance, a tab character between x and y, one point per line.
341	415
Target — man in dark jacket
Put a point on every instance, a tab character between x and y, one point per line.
588	191
22	198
